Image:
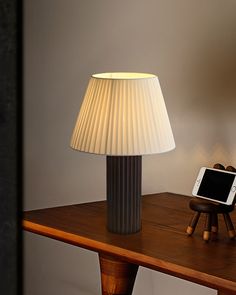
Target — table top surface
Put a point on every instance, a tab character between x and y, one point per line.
162	244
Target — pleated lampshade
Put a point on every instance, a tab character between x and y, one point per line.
123	114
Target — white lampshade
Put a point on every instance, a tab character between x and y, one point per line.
123	114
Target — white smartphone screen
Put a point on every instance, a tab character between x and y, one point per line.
215	185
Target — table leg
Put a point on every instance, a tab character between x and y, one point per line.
117	276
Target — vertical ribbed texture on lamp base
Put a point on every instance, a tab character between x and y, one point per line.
124	194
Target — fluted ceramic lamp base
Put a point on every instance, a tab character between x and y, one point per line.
124	176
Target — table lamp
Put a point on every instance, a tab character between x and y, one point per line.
123	116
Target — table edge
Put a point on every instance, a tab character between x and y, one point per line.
133	257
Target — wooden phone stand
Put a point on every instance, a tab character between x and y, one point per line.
211	210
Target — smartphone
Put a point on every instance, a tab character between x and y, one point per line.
215	185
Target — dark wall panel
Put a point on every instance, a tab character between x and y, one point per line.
10	146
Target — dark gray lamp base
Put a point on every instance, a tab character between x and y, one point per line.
124	176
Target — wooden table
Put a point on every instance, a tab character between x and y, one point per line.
162	244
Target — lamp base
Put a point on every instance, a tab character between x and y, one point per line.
124	176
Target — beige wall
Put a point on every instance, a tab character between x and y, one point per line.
189	44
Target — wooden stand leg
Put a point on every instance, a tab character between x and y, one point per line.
192	225
117	277
229	225
214	224
207	229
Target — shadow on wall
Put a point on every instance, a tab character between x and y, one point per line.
215	73
212	81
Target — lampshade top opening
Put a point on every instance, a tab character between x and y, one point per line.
123	76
